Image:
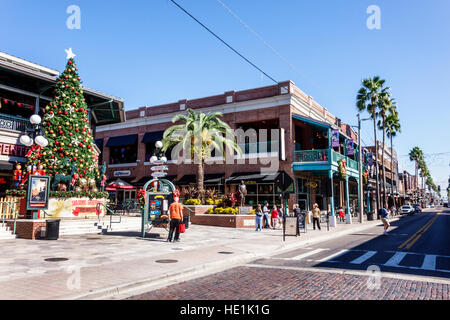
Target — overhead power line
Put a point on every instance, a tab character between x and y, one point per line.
223	41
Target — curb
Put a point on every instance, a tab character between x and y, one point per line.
130	289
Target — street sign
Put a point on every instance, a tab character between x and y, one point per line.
159	174
159	168
283	181
158	162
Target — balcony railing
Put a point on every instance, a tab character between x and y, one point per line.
13	123
323	156
312	156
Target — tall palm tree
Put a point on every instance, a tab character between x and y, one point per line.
385	104
392	128
367	99
416	155
199	134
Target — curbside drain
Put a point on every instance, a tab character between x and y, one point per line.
166	261
226	252
56	259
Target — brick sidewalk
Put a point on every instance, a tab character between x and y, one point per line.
113	263
277	284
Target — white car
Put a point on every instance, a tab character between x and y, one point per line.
407	209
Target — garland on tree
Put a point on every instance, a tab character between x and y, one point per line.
62	194
68	131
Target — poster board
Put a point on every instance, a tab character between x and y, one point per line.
291	226
38	192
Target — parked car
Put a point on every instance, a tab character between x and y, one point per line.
417	208
407	209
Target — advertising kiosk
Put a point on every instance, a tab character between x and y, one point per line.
158	197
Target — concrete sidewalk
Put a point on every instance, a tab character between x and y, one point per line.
118	264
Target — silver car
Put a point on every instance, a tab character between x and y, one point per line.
407	209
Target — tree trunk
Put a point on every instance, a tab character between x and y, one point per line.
382	162
200	179
392	173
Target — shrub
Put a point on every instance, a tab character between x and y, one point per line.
192	202
209	211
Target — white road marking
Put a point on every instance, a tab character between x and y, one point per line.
334	255
429	262
364	257
307	254
395	259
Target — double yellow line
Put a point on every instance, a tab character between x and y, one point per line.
411	240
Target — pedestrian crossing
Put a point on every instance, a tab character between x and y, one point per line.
355	257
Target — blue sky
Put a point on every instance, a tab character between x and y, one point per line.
150	52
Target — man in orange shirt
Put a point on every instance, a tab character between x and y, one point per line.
176	217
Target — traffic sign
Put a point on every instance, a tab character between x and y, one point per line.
159	174
283	181
159	168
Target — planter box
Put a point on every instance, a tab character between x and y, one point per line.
194	210
223	220
27	229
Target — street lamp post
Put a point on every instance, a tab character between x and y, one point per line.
34	135
361	184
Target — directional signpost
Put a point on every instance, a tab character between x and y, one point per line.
284	182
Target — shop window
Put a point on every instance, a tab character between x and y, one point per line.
123	154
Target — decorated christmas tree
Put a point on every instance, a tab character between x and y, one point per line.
70	151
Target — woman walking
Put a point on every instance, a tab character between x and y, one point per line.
275	218
258	214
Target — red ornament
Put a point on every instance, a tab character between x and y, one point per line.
61	132
60	103
70	62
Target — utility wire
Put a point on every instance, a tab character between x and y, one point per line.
223	41
260	38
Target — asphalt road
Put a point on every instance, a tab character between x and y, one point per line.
416	245
413	260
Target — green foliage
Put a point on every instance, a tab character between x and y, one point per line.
192	202
62	194
67	130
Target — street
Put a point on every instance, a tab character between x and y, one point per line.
412	262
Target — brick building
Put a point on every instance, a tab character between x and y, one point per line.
300	145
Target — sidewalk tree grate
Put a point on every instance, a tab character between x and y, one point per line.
56	259
166	261
226	252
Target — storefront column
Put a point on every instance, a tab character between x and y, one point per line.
348	216
332	216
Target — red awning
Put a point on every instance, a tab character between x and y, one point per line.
118	184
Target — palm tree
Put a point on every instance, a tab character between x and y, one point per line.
392	128
416	155
367	99
386	103
199	134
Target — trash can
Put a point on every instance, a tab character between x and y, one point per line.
52	227
370	216
186	220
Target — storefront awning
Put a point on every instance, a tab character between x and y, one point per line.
99	143
236	178
122	140
215	178
150	137
5	165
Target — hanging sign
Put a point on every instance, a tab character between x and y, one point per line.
159	168
159	174
335	138
350	148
